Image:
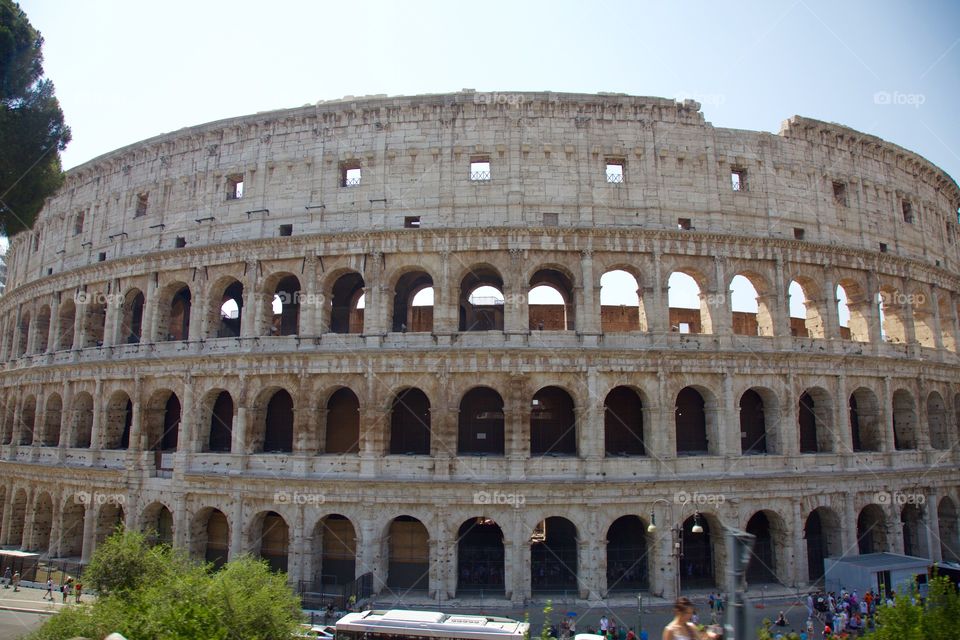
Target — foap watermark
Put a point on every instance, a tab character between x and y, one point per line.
515	500
301	298
298	498
97	498
898	298
698	499
509	99
899	498
98	298
900	99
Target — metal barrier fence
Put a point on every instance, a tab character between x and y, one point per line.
317	594
33	569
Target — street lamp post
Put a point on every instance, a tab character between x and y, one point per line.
676	538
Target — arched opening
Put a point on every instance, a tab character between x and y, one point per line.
345	314
751	313
627	556
285	307
413	302
480	423
688	309
227	311
937	421
904	421
851	304
892	309
814	421
410	423
18	518
480	557
753	424
71	528
9	422
162	422
221	424
335	548
343	422
481	300
94	320
621	307
131	326
872	530
42	523
914	532
109	518
947	524
158	524
52	417
550	298
210	539
28	416
553	423
82	420
690	420
408	552
553	557
119	418
822	533
697	569
865	421
924	320
41	328
623	423
178	318
278	424
23	346
806	318
762	567
66	317
272	539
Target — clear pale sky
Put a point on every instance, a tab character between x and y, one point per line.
128	70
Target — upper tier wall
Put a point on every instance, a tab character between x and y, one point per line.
548	157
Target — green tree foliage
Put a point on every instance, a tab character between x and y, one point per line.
938	618
32	130
156	592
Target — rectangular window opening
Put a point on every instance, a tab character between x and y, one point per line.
350	173
738	179
142	201
685	224
480	168
907	211
684	327
798	233
411	222
235	186
286	230
840	193
180	242
615	170
102	257
883	247
78	223
551	219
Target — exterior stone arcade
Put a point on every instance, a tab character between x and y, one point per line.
224	336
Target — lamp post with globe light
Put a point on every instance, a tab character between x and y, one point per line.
676	531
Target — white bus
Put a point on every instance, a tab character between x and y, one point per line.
398	624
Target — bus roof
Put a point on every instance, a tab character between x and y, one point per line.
431	624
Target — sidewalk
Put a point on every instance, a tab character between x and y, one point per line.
29	599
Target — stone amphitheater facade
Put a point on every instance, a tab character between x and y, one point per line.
488	445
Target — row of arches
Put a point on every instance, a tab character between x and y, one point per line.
749	306
275	423
480	548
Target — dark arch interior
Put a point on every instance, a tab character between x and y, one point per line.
344	315
410	423
343	422
229	326
691	423
623	423
406	317
287	322
480	557
627	559
553	562
278	424
480	423
762	566
753	426
221	423
409	555
553	429
696	565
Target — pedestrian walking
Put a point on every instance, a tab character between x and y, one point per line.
682	626
16	581
78	590
6	578
49	594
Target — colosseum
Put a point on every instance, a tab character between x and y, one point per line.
373	339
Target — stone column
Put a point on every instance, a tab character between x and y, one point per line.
848	534
831	311
53	335
7	516
376	301
370	551
89	529
718	318
96	432
799	573
886	417
588	321
728	421
180	522
517	426
151	311
928	512
843	433
310	304
198	310
894	528
446	299
517	570
788	431
664	436
373	440
516	307
251	312
298	550
937	323
658	314
238	439
236	528
111	320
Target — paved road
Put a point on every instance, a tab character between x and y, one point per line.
14	624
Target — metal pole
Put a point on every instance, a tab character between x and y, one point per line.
639	614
